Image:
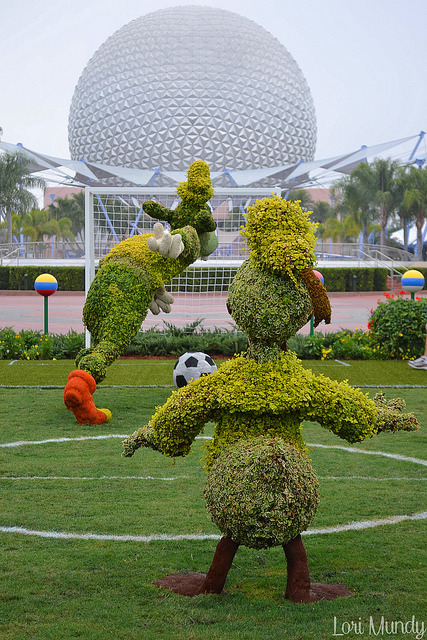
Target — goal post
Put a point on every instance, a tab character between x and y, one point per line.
113	214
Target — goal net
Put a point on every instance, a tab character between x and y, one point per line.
116	213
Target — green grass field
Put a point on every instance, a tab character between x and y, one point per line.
58	583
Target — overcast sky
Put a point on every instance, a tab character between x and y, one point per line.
364	60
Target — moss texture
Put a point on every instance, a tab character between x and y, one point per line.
129	275
262	492
269	307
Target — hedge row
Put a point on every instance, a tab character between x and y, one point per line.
22	278
201	278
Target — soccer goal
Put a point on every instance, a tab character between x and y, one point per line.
116	213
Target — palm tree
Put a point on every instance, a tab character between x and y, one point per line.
321	211
357	196
373	186
384	173
402	211
15	182
415	200
72	208
302	196
38	223
16	224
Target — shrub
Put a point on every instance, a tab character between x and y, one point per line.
398	326
34	345
355	278
4	278
21	278
170	340
174	341
262	492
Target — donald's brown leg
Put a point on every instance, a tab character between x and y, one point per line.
298	582
193	584
298	587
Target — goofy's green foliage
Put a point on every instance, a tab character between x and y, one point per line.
131	274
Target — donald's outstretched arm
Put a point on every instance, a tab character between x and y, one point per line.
174	426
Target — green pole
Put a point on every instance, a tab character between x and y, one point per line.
311	326
412	295
45	315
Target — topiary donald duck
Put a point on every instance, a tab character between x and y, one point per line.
261	490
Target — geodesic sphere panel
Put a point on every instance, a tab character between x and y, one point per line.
189	83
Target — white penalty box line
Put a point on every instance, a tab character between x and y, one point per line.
64	535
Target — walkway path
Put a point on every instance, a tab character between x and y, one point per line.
24	310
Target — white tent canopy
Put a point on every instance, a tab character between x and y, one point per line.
412	235
298	175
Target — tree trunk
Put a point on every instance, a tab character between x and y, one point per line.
9	227
298	586
365	234
419	224
405	232
383	219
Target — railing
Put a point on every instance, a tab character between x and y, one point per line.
60	249
363	252
325	252
7	259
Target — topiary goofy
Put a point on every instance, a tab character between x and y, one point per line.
131	280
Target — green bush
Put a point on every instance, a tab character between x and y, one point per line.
344	345
398	326
174	341
21	278
4	278
355	278
34	345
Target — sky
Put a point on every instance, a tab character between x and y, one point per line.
364	61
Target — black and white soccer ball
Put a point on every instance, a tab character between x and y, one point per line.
192	366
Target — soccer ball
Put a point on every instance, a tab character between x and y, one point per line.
191	366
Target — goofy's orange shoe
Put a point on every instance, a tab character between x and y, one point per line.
78	398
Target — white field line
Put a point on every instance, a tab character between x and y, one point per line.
92	478
367	478
63	535
172	386
22	443
101	386
343	364
394	456
363	524
367	524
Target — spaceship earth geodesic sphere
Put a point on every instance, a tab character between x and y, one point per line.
189	83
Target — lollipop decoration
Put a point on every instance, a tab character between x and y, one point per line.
46	285
412	281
